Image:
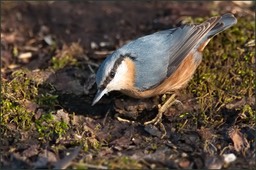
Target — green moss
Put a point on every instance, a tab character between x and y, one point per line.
47	100
20	87
154	146
14	93
67	56
226	73
12	112
61	62
90	143
48	127
248	113
15	51
21	90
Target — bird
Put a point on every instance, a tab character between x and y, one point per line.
158	63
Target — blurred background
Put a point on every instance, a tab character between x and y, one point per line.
99	24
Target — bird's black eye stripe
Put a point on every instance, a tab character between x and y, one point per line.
112	74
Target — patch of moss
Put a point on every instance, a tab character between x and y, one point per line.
61	62
12	112
90	143
67	56
226	73
14	93
47	100
20	90
48	127
248	113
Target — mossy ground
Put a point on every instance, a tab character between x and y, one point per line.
223	87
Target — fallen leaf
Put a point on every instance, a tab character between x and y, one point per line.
61	115
240	142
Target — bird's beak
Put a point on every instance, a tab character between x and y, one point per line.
99	95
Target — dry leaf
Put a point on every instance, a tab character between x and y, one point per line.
240	142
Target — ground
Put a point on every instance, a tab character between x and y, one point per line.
50	52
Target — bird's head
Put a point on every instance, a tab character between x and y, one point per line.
115	73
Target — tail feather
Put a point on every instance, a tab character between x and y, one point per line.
225	21
222	23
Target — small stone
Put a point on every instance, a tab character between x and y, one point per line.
184	163
48	40
228	158
94	45
24	56
214	162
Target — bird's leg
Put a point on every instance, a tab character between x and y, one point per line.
161	110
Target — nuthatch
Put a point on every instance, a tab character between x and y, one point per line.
160	62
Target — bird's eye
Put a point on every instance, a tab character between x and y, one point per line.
112	74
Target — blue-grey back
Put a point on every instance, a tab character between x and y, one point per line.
153	54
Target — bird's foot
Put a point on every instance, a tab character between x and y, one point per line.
161	110
156	120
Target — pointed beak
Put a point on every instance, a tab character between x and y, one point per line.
99	95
